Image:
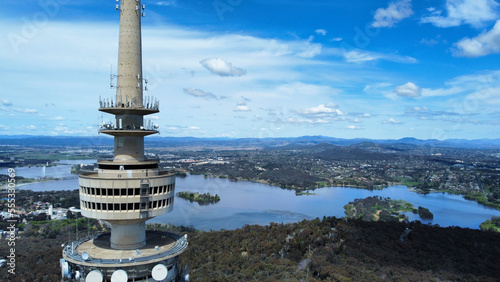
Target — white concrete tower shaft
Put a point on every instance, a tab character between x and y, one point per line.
129	89
129	83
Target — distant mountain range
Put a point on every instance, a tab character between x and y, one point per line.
98	141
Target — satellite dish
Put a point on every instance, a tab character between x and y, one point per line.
64	268
159	272
85	256
94	276
119	276
77	274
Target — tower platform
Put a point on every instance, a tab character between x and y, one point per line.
94	257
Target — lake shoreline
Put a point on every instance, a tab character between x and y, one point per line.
299	191
246	202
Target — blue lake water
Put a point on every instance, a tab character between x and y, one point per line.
63	169
254	203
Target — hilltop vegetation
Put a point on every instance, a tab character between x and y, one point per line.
330	249
333	249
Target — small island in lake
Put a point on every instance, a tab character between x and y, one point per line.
202	199
384	209
492	224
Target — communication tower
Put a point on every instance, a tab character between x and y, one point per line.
128	189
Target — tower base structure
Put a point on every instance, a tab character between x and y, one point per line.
93	260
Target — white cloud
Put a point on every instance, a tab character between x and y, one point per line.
360	56
427	92
393	14
474	81
473	12
409	90
298	121
336	39
322	114
321	31
354	127
56	118
26	111
322	110
484	44
376	86
200	94
391	121
194	128
310	50
241	108
31	127
6	102
166	3
357	56
220	67
424	112
61	127
429	42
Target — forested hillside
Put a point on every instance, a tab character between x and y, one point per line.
337	250
330	249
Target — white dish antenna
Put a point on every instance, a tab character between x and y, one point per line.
119	276
94	276
64	268
85	256
159	272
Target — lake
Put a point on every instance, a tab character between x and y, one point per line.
245	202
63	169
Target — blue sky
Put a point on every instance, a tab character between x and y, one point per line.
254	68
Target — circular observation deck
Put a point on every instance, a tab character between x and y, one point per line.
126	194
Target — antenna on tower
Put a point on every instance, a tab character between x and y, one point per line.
117	6
85	256
111	78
